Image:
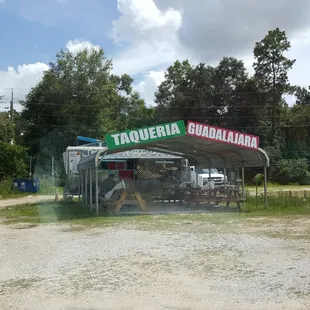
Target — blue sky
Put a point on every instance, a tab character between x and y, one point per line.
32	33
144	37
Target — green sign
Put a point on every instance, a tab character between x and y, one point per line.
145	135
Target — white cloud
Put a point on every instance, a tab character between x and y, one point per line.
21	80
299	51
152	34
160	31
153	43
211	29
144	57
142	20
75	46
149	85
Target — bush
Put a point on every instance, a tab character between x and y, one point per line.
305	180
13	161
8	191
291	171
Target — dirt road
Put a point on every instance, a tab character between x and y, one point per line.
19	201
126	267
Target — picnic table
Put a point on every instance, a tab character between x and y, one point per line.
201	195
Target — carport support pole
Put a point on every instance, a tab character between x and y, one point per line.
82	185
225	173
209	177
85	201
97	191
91	188
197	180
265	188
243	187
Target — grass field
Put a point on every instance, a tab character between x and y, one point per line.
46	188
276	188
76	213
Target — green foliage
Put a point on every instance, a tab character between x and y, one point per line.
280	201
200	93
303	95
271	71
271	66
225	95
292	171
79	95
13	161
6	128
7	191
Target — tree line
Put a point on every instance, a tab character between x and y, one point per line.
79	95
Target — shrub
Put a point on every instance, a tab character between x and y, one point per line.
291	171
13	161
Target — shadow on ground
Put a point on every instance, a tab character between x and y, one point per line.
62	211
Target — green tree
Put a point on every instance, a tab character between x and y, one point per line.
173	94
292	171
6	128
200	93
78	95
13	161
271	70
246	111
302	95
296	120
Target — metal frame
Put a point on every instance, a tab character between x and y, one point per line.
87	166
216	154
89	148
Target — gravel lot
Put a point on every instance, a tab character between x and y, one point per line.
123	267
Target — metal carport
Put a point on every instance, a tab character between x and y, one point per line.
224	148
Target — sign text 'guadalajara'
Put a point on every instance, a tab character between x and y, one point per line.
222	135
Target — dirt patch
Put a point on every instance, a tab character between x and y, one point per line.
28	199
220	265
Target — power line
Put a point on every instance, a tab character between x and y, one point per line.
185	93
230	127
200	107
219	117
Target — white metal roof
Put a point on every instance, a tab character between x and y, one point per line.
92	161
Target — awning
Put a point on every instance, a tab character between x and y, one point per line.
205	145
93	160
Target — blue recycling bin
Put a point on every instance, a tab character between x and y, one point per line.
27	185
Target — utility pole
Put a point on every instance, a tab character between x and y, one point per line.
12	105
12	110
